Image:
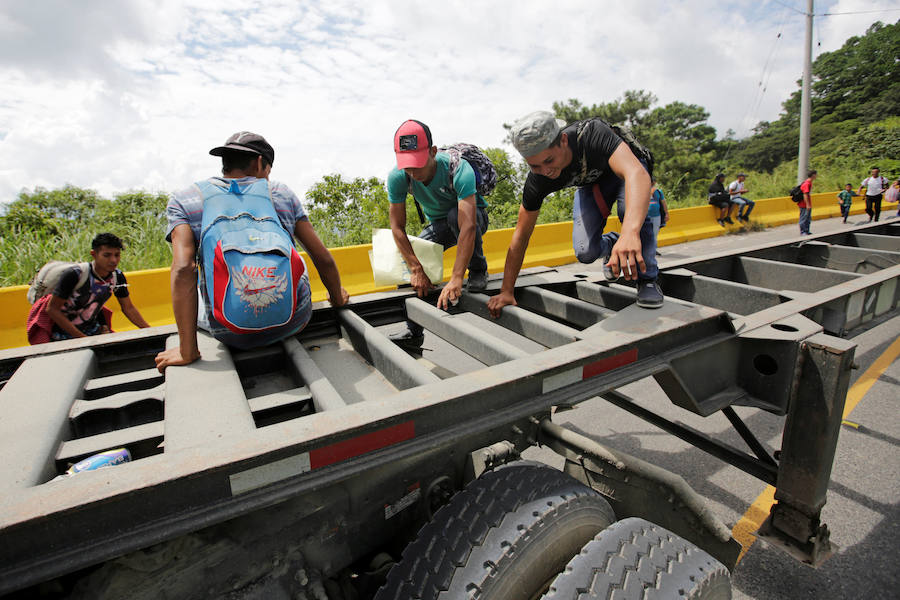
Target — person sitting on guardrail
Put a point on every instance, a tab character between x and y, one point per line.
737	189
605	165
74	307
719	198
254	288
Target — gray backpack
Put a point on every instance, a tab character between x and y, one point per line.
48	277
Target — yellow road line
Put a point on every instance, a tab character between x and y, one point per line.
744	530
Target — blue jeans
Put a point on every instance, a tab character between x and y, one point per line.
244	341
745	205
590	212
446	233
805	219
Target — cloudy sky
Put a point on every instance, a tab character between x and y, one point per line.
132	94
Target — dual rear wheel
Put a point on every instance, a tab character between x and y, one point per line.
526	531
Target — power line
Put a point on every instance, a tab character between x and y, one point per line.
858	12
827	14
796	10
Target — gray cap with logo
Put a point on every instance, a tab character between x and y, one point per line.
535	132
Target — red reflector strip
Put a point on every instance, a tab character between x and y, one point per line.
609	363
333	453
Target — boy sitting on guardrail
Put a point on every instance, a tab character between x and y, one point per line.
71	299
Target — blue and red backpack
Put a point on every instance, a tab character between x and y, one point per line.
253	275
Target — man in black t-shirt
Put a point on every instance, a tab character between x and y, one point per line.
76	311
719	198
592	157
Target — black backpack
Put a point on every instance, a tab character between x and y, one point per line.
639	150
796	194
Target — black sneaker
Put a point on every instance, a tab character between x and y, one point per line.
408	340
649	295
477	282
728	220
720	222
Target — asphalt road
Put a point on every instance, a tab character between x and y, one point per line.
862	510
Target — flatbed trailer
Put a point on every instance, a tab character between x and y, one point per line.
307	467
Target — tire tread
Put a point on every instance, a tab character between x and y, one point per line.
635	559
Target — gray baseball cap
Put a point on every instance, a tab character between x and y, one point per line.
535	132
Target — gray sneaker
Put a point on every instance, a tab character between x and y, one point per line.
649	295
607	271
477	282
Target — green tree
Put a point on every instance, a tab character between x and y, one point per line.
853	86
629	111
46	212
683	144
503	203
344	213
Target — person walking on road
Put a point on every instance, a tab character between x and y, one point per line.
893	194
845	200
805	205
875	186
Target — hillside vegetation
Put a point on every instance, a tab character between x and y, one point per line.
855	125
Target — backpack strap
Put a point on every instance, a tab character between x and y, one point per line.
83	276
416	202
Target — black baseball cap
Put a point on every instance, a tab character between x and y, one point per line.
246	141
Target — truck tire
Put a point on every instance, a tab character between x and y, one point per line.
504	537
635	559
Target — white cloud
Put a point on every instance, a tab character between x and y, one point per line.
117	96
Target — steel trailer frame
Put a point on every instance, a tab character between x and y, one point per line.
272	426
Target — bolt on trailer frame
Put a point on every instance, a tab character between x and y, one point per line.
342	413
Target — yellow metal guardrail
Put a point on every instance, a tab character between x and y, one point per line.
551	245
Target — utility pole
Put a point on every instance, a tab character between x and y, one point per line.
805	103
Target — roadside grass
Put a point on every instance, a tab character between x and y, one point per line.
23	253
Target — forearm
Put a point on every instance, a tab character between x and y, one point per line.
514	258
63	322
329	274
465	245
184	306
637	202
405	248
134	315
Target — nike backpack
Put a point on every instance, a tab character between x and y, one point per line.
252	273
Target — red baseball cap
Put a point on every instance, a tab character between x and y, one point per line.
412	144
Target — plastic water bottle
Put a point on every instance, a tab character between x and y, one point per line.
108	458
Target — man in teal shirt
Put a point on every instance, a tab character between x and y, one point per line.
457	215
